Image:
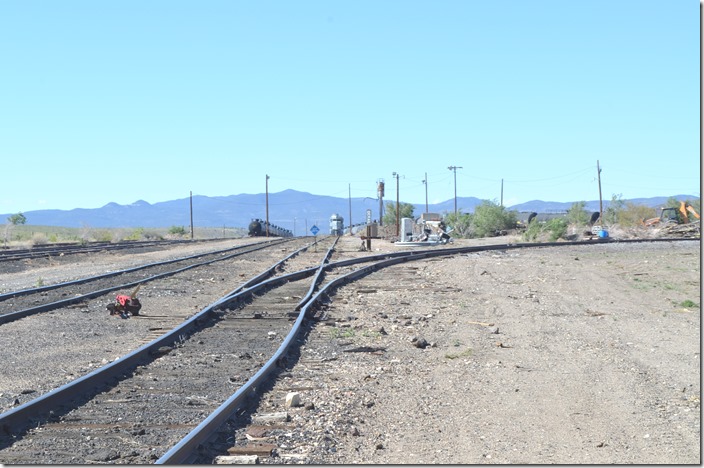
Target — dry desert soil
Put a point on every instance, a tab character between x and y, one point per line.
562	355
586	354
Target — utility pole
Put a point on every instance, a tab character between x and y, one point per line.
454	169
425	182
191	215
502	192
349	188
267	205
601	207
398	223
380	194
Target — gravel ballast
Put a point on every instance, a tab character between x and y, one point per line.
574	354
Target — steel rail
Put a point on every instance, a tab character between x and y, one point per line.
24	292
186	446
44	404
270	271
434	252
68	248
16	315
184	451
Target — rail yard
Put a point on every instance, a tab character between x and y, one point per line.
582	352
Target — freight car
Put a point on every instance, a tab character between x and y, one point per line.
257	228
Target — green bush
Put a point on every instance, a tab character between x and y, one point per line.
102	235
136	235
532	231
177	231
490	218
634	215
39	238
612	211
556	228
577	214
460	223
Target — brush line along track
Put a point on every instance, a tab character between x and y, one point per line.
235	335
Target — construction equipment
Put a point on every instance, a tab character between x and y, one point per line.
674	215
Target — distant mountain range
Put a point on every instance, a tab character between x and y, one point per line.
290	209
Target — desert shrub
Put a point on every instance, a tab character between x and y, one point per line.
136	234
633	215
611	213
553	229
556	228
39	238
177	231
532	231
461	224
577	214
100	235
151	235
490	217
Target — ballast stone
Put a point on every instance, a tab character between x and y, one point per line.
293	399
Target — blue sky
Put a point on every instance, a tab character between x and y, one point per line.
117	101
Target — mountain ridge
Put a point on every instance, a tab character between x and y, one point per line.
290	209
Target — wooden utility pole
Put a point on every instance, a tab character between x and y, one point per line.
425	182
267	205
191	215
398	214
601	206
502	192
380	194
454	169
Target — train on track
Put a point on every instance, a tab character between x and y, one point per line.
258	228
337	225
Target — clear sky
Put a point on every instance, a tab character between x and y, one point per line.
117	101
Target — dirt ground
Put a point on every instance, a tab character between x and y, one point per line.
583	354
569	355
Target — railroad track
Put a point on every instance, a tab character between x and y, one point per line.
152	396
95	338
62	249
19	304
198	375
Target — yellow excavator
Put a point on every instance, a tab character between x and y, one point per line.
674	215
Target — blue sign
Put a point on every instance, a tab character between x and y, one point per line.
314	230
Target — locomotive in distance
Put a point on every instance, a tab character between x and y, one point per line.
257	228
